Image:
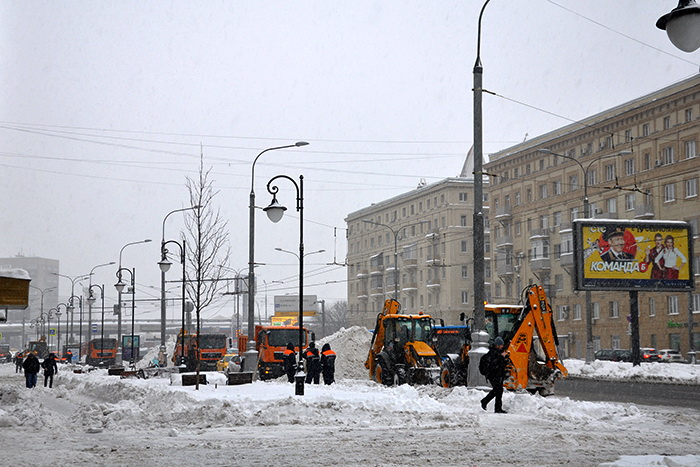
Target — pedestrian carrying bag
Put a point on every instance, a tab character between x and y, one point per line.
484	364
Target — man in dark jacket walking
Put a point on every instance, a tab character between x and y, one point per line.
19	359
50	368
290	362
313	364
31	367
328	364
493	367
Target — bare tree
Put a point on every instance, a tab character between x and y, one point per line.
207	242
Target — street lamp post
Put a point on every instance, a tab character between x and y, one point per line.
58	315
162	276
275	211
682	24
164	265
119	292
266	284
91	301
71	308
587	214
42	291
120	286
92	271
72	280
249	364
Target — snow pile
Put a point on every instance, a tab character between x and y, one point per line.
15	274
352	346
676	373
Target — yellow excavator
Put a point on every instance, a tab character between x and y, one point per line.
401	350
534	365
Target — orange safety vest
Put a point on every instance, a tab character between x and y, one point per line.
328	353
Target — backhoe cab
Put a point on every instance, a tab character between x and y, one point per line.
534	365
401	349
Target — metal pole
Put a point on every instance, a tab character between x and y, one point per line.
184	279
634	338
478	219
133	307
102	326
300	207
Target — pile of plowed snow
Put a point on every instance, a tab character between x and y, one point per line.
351	345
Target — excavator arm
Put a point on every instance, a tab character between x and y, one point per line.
390	307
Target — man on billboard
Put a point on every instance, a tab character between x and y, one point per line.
615	236
652	254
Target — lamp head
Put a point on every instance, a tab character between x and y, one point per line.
301	143
682	24
91	299
275	210
164	265
120	286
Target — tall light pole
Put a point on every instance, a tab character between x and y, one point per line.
91	301
682	24
164	265
275	211
237	292
92	271
58	315
42	292
119	292
587	214
251	250
162	275
266	284
71	308
72	280
478	218
120	287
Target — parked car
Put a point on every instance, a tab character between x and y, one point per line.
670	355
649	354
605	354
621	355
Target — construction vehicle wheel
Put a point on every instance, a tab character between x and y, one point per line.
383	376
446	376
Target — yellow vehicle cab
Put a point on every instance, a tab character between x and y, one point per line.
228	361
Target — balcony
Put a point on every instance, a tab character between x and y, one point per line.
434	260
504	269
504	241
540	265
410	287
410	263
565	227
503	213
363	274
566	260
433	284
540	233
644	211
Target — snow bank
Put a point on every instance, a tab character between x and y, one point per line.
352	346
15	274
675	373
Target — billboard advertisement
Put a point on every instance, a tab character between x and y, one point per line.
633	255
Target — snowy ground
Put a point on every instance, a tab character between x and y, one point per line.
96	419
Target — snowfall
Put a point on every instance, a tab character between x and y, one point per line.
92	418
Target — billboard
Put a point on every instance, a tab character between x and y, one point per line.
290	303
633	255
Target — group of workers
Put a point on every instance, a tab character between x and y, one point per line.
317	363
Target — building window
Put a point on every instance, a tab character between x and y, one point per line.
559	281
557	218
591	177
690	151
573	182
667	123
652	307
465	272
629	202
652	340
573	214
596	310
517	228
577	312
561	312
543	191
691	188
463	197
688	115
647	161
628	136
669	193
517	198
673	304
609	172
615	342
645	129
465	297
556	187
464	246
629	167
667	155
612	205
528	195
696	303
463	221
614	309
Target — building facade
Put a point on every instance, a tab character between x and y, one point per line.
635	161
415	247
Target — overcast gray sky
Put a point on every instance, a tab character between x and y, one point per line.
104	106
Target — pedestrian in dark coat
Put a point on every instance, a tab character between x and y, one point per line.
31	367
19	359
328	364
290	362
493	367
50	368
313	364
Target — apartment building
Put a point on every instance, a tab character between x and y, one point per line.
638	160
415	247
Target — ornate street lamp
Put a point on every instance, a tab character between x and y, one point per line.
119	293
92	271
682	24
71	309
120	287
164	265
91	300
